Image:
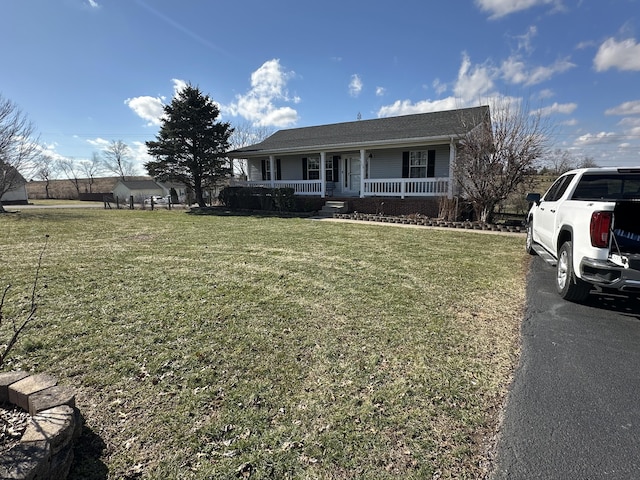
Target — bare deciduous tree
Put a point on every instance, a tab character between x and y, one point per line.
91	168
45	171
18	146
560	161
499	155
71	170
116	159
245	134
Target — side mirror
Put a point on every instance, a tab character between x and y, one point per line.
533	198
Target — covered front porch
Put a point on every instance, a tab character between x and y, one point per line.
363	173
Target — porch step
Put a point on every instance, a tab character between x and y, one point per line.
332	207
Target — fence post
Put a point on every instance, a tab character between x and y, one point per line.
131	202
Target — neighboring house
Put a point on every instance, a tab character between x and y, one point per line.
404	156
182	192
138	189
17	195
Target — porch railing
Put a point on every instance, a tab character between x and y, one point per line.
382	187
406	187
300	187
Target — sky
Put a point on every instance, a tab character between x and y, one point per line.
89	72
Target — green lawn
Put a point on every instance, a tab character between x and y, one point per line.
244	347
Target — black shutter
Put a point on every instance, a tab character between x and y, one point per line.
264	170
431	164
278	170
405	164
304	168
336	161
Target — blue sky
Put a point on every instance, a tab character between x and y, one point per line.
87	72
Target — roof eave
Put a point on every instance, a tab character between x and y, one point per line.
373	145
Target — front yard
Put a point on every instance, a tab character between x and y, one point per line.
244	347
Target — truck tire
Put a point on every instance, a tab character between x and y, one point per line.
568	285
529	242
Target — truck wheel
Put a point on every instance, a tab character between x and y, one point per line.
569	286
529	242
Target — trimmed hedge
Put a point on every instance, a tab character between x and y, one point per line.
259	198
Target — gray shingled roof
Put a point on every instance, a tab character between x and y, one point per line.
140	184
363	133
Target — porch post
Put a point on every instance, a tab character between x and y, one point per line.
363	159
323	173
452	162
272	170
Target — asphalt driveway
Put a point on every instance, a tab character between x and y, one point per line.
574	408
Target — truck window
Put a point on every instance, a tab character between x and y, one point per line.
608	186
558	188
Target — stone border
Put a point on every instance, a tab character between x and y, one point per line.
45	451
515	227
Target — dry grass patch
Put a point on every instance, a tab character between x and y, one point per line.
218	347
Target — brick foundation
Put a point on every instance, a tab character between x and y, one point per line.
394	206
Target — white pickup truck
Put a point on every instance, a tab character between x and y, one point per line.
588	225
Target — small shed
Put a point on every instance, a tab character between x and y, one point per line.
138	189
13	187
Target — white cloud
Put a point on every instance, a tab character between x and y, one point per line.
546	93
515	71
178	86
597	139
564	108
624	55
380	91
100	143
93	4
473	82
500	8
355	85
139	153
148	108
473	85
524	41
406	107
439	87
626	108
268	85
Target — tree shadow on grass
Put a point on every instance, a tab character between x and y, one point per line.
87	452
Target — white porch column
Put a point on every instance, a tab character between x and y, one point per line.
452	163
272	171
323	174
363	160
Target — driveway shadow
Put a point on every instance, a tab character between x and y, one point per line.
628	305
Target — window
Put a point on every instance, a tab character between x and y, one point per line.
329	170
266	170
610	186
558	188
419	164
313	168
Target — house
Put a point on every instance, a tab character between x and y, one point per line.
138	189
13	186
404	157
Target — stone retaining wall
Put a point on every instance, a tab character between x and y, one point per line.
45	451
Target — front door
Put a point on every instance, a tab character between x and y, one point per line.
352	175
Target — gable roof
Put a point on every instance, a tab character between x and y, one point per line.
140	184
405	129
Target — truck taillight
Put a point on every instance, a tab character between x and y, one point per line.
600	225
